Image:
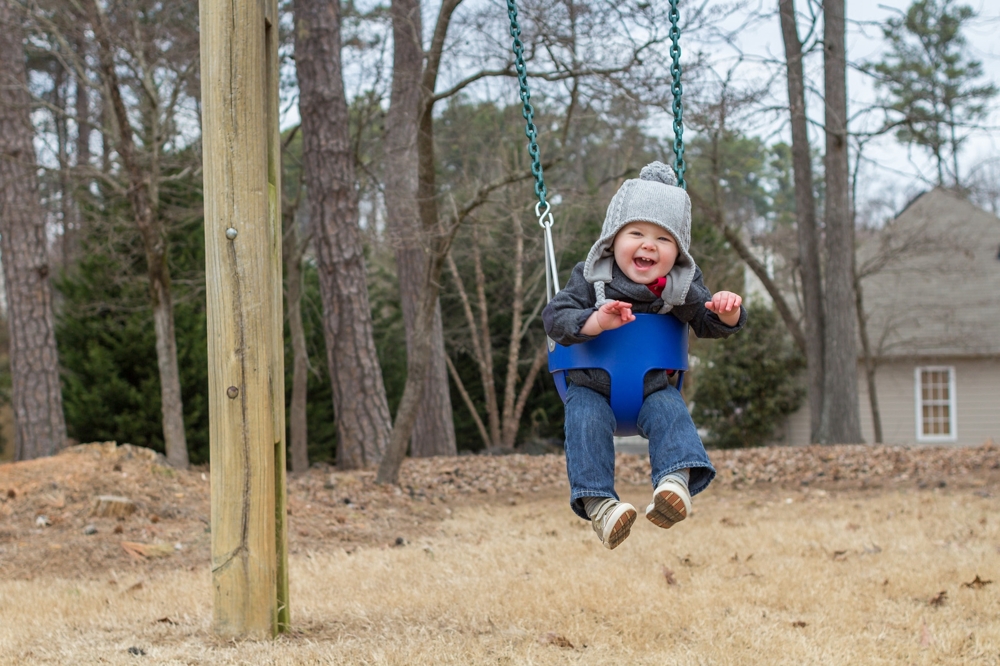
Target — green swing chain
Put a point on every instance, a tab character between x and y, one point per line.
528	111
675	70
542	208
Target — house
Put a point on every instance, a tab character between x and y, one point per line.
931	296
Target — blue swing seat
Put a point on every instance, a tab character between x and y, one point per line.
651	342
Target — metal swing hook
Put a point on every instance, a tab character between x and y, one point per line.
545	220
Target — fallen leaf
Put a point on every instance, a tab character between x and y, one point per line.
940	599
925	636
840	555
669	575
553	638
799	624
978	583
147	550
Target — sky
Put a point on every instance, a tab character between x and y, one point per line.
890	173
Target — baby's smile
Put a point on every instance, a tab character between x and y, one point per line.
644	251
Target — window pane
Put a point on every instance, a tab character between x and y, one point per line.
935	398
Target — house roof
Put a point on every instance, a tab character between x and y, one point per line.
931	280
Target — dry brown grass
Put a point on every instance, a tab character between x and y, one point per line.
756	576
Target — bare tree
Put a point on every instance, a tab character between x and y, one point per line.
840	422
434	429
711	192
39	425
363	420
805	213
437	234
502	417
142	175
297	234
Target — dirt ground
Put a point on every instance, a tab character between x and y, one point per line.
822	555
47	526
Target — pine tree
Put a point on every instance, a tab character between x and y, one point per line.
933	91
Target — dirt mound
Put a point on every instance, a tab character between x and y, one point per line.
158	517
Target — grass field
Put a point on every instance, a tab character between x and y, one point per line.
755	576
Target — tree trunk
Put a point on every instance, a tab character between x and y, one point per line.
840	419
172	407
511	420
66	207
39	425
439	241
434	430
871	364
298	428
482	328
805	210
143	182
83	127
81	190
363	420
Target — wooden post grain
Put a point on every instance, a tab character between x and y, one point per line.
245	351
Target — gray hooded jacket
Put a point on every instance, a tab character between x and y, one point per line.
569	310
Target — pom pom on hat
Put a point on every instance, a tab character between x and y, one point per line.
658	172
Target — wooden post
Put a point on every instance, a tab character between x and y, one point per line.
241	146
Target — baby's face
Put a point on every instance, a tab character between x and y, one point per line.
644	251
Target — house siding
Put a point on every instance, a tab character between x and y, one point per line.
977	402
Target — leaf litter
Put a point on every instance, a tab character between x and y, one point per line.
170	527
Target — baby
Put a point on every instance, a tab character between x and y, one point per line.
639	264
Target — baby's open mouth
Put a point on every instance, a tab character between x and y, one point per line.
643	262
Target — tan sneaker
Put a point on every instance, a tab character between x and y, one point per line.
612	520
671	504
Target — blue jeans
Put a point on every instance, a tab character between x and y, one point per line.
590	450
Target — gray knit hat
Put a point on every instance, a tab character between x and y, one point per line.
652	197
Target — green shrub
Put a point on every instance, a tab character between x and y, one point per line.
748	382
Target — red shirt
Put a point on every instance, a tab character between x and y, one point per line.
658	286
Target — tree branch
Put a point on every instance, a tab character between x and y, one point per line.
541	355
467	400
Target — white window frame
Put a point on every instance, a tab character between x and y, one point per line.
952	404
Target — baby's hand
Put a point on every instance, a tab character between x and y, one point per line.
614	314
726	304
611	315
